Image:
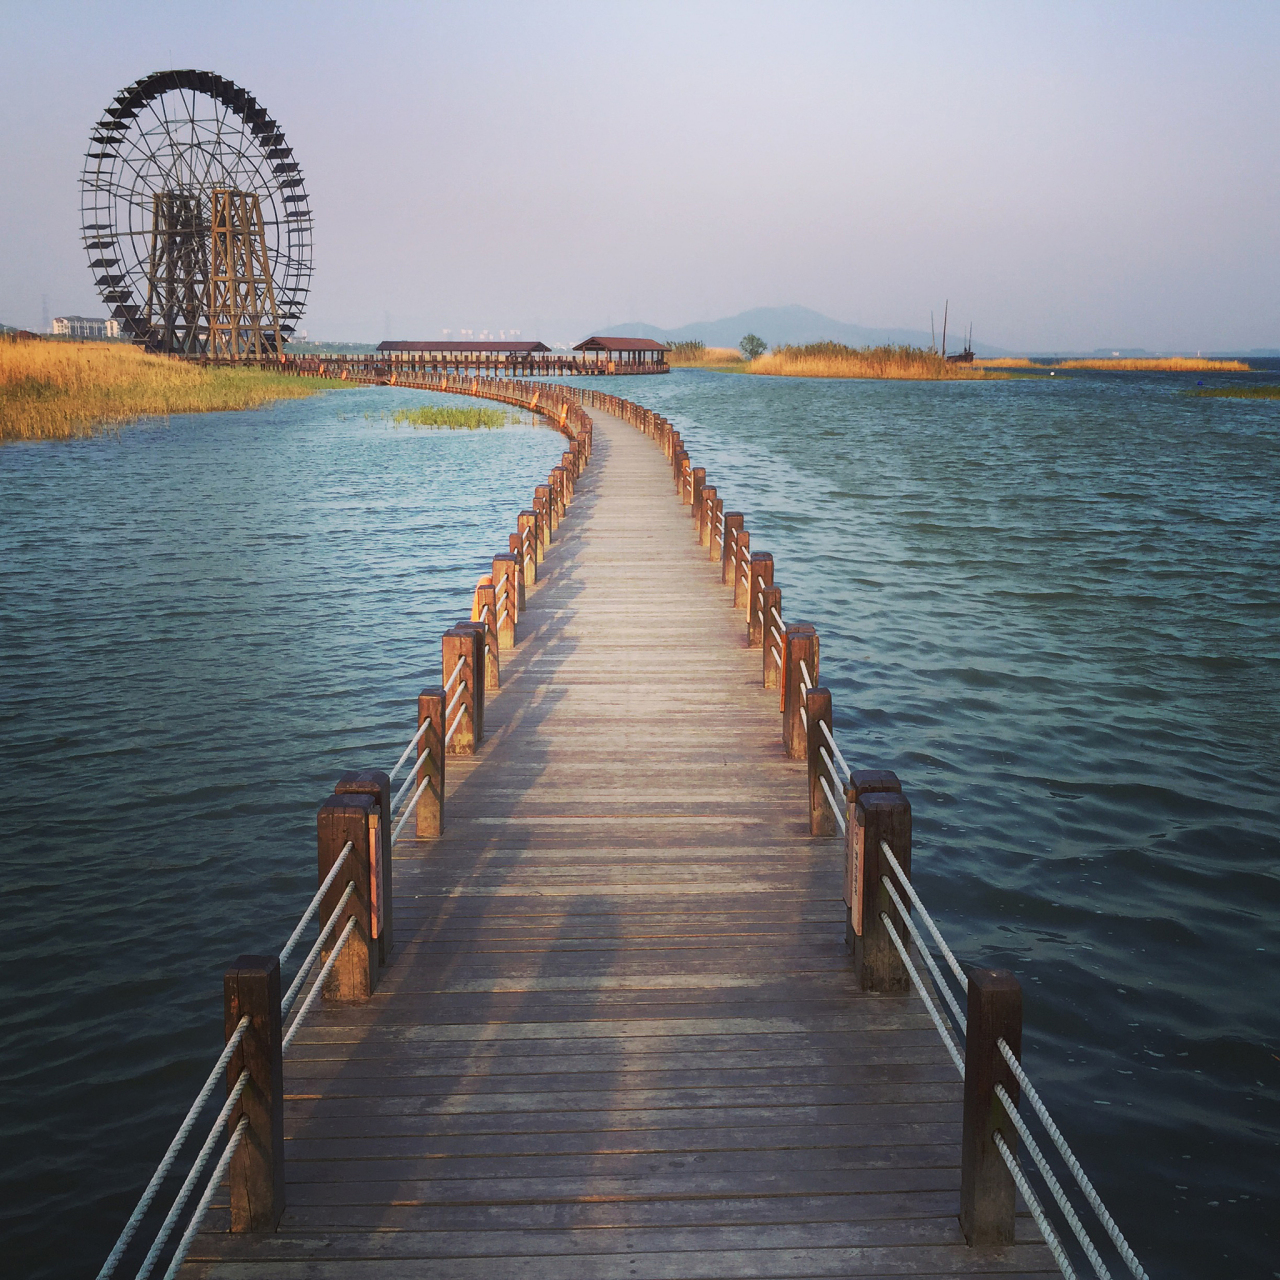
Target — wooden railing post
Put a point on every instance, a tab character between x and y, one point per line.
987	1192
877	816
742	570
506	586
376	783
484	610
555	496
715	543
678	461
772	638
822	817
515	543
251	987
481	668
801	647
706	515
429	811
459	643
861	782
761	577
542	505
531	545
729	545
341	819
570	464
697	479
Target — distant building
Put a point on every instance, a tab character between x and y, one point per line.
85	327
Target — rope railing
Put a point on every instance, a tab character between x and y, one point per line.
408	779
413	800
202	1206
314	905
318	986
304	969
905	881
453	728
947	1039
462	662
831	742
1037	1209
453	702
408	751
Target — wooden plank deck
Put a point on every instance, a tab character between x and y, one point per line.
621	1035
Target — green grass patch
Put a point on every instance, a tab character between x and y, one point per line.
1237	393
445	419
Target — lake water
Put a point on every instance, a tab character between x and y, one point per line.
1052	606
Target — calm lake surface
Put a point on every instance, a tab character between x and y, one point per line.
1052	606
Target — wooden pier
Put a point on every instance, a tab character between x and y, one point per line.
620	1033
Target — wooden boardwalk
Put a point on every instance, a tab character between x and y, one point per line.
621	1036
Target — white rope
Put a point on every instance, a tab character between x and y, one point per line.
301	976
166	1162
924	995
315	903
1077	1227
945	987
804	716
457	720
453	702
408	781
484	613
314	994
171	1218
408	809
462	662
503	615
848	773
1020	1181
746	580
835	808
777	657
215	1181
413	742
925	916
831	769
806	682
773	631
778	617
1095	1201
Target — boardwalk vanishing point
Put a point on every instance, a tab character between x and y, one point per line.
620	1034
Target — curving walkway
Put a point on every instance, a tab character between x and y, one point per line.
621	1036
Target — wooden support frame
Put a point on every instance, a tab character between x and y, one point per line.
987	1191
376	783
251	988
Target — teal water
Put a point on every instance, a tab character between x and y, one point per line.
1051	606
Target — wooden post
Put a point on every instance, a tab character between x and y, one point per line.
516	544
459	643
478	630
801	647
861	782
251	987
706	515
429	811
877	816
527	528
715	543
376	783
729	546
772	641
697	479
822	816
986	1187
570	465
677	466
742	570
341	819
553	501
484	610
542	505
507	595
761	573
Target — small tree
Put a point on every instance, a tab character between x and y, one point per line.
752	346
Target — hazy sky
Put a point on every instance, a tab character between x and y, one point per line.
1069	175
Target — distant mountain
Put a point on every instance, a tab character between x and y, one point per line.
791	325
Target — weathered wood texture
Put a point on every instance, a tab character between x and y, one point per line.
622	1035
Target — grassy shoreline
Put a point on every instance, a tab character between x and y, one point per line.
835	360
62	391
1125	364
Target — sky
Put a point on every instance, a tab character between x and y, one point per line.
1070	176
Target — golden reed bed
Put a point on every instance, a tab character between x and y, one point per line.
57	390
832	360
1129	364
